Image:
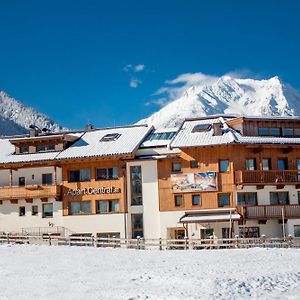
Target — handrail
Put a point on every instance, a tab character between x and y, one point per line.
270	211
267	176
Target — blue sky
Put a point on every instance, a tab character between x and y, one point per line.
102	61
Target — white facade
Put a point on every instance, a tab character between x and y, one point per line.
273	228
11	220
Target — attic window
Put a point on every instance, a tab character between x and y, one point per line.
161	136
110	137
201	128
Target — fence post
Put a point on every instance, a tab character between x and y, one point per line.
160	244
290	241
186	242
236	241
114	241
264	240
138	242
7	237
49	235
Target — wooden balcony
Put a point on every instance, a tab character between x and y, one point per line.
264	212
29	192
273	177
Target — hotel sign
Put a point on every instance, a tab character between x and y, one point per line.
93	191
194	182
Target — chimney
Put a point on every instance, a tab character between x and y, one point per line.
217	129
34	131
89	127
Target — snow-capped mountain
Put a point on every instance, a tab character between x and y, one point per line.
15	118
231	96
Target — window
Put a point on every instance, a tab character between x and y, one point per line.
22	211
107	206
282	164
206	233
201	128
107	173
251	164
195	199
275	131
34	210
298	194
225	233
279	198
297	131
176	167
223	165
110	137
160	136
266	164
288	132
178	200
298	164
137	225
224	200
48	210
297	230
79	175
263	131
247	199
24	149
47	178
78	208
194	164
42	148
21	181
136	185
85	175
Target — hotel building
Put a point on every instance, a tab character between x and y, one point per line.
215	176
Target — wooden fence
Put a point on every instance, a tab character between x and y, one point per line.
149	244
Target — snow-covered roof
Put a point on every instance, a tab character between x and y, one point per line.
99	142
91	144
187	138
29	157
265	140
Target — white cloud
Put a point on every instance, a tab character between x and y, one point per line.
175	88
134	82
127	68
139	68
131	69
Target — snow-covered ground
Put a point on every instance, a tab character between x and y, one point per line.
61	272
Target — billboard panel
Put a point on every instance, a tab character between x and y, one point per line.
194	182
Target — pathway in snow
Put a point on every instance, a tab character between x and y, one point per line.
36	272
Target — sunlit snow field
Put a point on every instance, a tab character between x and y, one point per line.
45	272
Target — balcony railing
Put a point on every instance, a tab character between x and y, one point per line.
29	192
270	211
268	177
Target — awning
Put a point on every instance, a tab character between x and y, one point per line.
207	216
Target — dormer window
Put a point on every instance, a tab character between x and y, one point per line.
110	137
201	128
43	148
24	149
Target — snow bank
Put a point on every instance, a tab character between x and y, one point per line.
35	272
